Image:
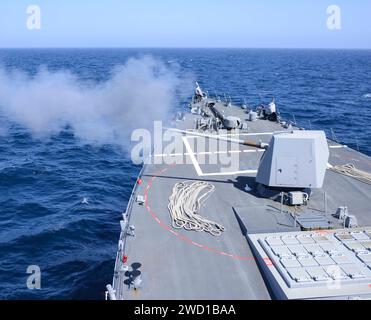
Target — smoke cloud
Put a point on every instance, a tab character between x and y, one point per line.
137	93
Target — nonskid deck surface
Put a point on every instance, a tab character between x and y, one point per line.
180	264
185	265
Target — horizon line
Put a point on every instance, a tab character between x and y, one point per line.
179	47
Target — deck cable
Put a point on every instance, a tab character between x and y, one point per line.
185	204
351	171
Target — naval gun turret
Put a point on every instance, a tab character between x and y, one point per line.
296	159
200	101
229	122
293	162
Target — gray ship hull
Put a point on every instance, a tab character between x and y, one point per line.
179	264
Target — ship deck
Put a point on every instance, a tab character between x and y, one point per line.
182	265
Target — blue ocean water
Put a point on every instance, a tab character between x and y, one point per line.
43	220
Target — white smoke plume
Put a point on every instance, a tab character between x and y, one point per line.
137	93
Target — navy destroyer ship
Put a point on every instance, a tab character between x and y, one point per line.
248	206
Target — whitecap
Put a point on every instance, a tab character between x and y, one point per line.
367	96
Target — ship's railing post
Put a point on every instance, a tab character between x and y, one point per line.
123	236
281	207
110	293
357	143
294	118
334	138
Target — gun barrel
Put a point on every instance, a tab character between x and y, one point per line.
253	144
259	145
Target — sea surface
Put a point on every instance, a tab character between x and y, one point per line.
61	200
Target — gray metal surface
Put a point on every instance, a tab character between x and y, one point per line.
295	159
177	264
325	265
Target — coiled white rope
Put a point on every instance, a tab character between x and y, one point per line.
351	171
185	204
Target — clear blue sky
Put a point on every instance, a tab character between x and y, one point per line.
186	23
